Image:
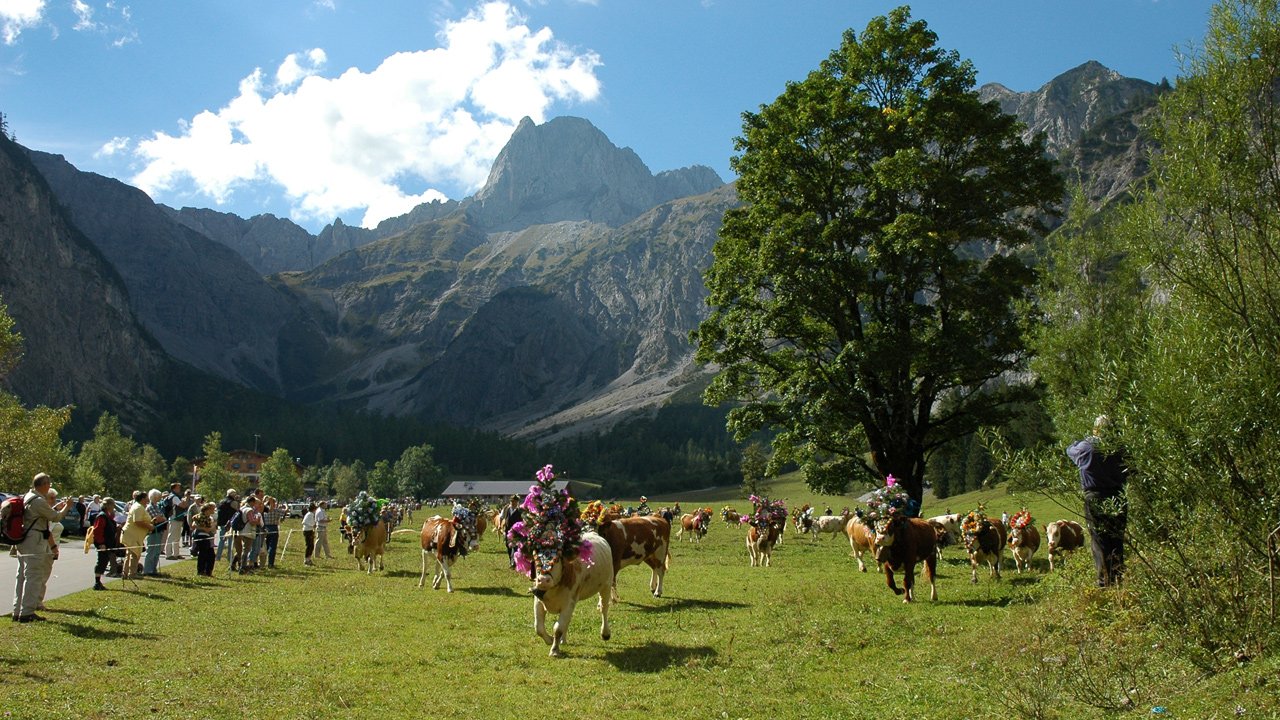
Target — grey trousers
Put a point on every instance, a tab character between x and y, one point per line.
35	562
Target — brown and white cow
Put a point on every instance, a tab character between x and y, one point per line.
557	588
730	516
901	543
760	543
1023	543
695	524
1063	536
369	543
862	539
446	541
985	543
636	540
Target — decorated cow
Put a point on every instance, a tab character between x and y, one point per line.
984	539
1024	539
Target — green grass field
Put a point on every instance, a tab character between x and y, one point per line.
809	637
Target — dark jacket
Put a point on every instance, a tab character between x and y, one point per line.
1100	473
226	510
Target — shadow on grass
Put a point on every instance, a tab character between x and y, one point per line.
493	591
655	657
87	632
404	573
686	604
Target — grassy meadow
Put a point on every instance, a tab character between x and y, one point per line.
809	637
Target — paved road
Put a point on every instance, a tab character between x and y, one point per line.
72	572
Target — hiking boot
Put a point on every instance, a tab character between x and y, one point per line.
30	618
99	586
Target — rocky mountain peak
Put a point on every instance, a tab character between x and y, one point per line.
567	169
1071	104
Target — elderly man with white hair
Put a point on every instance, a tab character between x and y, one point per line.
35	559
155	538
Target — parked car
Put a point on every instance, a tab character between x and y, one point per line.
297	509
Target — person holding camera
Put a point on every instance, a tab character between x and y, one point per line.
35	559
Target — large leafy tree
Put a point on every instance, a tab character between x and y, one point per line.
215	476
109	461
866	294
417	474
279	476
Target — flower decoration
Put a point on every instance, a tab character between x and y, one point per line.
466	519
1021	519
886	502
597	513
975	521
765	512
362	512
551	529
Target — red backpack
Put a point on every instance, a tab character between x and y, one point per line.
11	530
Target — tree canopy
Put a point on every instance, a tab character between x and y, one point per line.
867	301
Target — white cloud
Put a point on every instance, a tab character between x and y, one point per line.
84	15
114	146
377	140
18	15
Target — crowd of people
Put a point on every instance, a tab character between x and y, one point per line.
131	537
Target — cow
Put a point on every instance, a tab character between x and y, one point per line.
730	516
862	539
984	540
559	585
833	524
695	524
368	543
1023	543
1061	536
901	542
760	543
950	524
481	525
446	541
636	540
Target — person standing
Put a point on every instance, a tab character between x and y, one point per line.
309	533
251	537
322	530
35	561
137	526
175	507
511	515
155	538
271	519
106	539
227	509
202	529
1103	476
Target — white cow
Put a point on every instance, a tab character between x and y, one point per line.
1063	535
951	530
558	588
832	524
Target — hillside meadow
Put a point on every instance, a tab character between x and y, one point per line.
809	637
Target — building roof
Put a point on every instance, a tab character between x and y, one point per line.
487	488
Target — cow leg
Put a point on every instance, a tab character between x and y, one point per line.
973	565
995	568
930	571
767	555
422	579
888	580
540	621
908	583
605	634
448	576
562	627
656	571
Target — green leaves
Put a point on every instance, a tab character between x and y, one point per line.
858	284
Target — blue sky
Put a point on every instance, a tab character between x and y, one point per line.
316	109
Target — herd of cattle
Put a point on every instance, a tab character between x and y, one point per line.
896	544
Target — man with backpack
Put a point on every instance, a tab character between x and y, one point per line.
35	559
175	509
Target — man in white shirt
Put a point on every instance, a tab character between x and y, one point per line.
322	530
